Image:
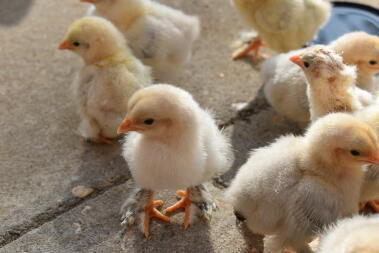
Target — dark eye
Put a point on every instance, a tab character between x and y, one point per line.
149	122
306	64
354	152
76	44
372	62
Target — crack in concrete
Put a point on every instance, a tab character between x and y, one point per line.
257	105
50	214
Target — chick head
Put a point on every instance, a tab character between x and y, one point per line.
360	49
322	63
343	140
159	111
93	38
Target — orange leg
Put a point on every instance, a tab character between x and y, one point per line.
185	203
150	212
362	205
104	139
254	46
375	205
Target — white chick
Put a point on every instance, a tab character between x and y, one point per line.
370	188
285	85
109	77
331	83
160	36
176	145
296	186
358	234
283	24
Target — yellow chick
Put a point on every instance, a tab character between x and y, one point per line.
109	77
160	36
297	186
283	24
362	50
358	234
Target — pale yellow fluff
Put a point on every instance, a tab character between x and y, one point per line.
284	24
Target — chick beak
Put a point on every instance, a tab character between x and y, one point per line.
374	158
126	126
65	45
87	1
296	59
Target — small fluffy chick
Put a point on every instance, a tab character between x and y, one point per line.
362	50
109	77
331	83
283	24
160	36
358	234
296	186
176	145
285	85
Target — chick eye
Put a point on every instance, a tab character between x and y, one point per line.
76	44
354	152
372	62
149	121
306	64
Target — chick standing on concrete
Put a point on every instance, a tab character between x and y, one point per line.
354	235
177	144
160	36
285	84
109	77
331	83
298	185
283	24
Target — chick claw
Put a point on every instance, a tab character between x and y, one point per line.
150	212
185	203
104	139
374	205
254	45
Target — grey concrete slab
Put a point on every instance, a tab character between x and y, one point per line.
42	157
94	226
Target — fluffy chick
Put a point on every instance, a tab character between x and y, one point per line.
294	187
176	145
108	78
160	36
285	84
362	50
331	83
353	235
283	24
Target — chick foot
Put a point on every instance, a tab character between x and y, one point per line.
185	203
141	202
252	46
104	140
374	205
150	212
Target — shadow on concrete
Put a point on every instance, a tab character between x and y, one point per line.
261	127
13	11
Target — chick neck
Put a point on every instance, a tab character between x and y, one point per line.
121	56
331	95
366	81
123	15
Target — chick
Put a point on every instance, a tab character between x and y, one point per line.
160	36
109	77
296	186
176	144
285	84
353	235
362	50
283	24
331	83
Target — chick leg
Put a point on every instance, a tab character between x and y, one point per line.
185	203
254	45
104	139
141	201
374	205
